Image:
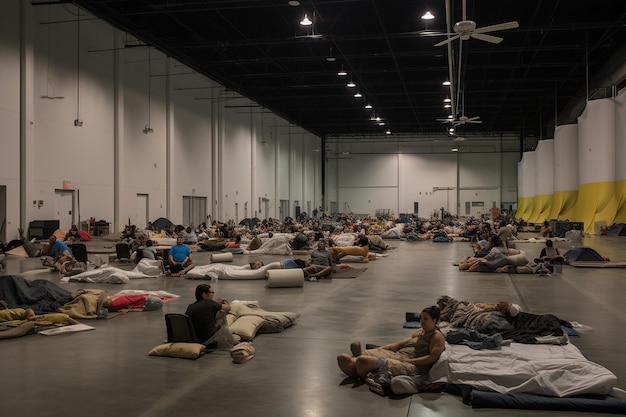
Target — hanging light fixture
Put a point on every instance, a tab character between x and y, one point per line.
388	132
147	129
446	82
358	94
447	100
368	106
351	84
428	15
342	73
331	57
306	21
78	121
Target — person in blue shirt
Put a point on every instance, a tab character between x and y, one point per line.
179	258
61	254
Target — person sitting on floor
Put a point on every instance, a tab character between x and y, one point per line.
411	356
149	251
321	264
189	236
179	258
72	236
550	254
203	313
61	254
546	231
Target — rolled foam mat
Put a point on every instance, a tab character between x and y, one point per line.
222	257
281	278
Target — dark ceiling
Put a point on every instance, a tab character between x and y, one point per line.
258	49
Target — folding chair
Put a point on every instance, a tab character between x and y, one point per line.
138	255
122	251
180	329
79	251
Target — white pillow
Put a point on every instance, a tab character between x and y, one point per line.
179	350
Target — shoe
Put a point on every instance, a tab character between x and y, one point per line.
311	279
355	348
380	383
403	384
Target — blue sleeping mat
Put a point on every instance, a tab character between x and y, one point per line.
589	403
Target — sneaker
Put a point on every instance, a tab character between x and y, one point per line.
379	383
355	348
312	279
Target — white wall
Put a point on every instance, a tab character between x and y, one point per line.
206	141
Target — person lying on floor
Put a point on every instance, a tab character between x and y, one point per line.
411	356
253	270
362	249
10	314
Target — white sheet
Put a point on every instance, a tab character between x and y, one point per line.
219	271
552	370
146	268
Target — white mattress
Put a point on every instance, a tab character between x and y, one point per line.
552	370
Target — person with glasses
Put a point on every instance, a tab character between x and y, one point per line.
204	310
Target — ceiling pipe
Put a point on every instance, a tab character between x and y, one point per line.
612	74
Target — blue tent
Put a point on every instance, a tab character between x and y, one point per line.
583	253
616	229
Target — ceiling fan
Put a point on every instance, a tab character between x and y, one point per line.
466	29
461	120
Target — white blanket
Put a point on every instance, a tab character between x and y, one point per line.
226	271
276	245
146	268
551	370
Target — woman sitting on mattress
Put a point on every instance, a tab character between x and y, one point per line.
414	355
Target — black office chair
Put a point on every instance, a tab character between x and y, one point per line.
122	250
180	329
79	251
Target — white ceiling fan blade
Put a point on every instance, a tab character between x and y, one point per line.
426	33
473	120
486	38
447	41
495	28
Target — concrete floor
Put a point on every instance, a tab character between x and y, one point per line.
107	371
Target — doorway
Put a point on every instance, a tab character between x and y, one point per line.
194	210
283	209
3	213
64	204
141	213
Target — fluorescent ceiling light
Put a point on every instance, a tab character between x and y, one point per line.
351	84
